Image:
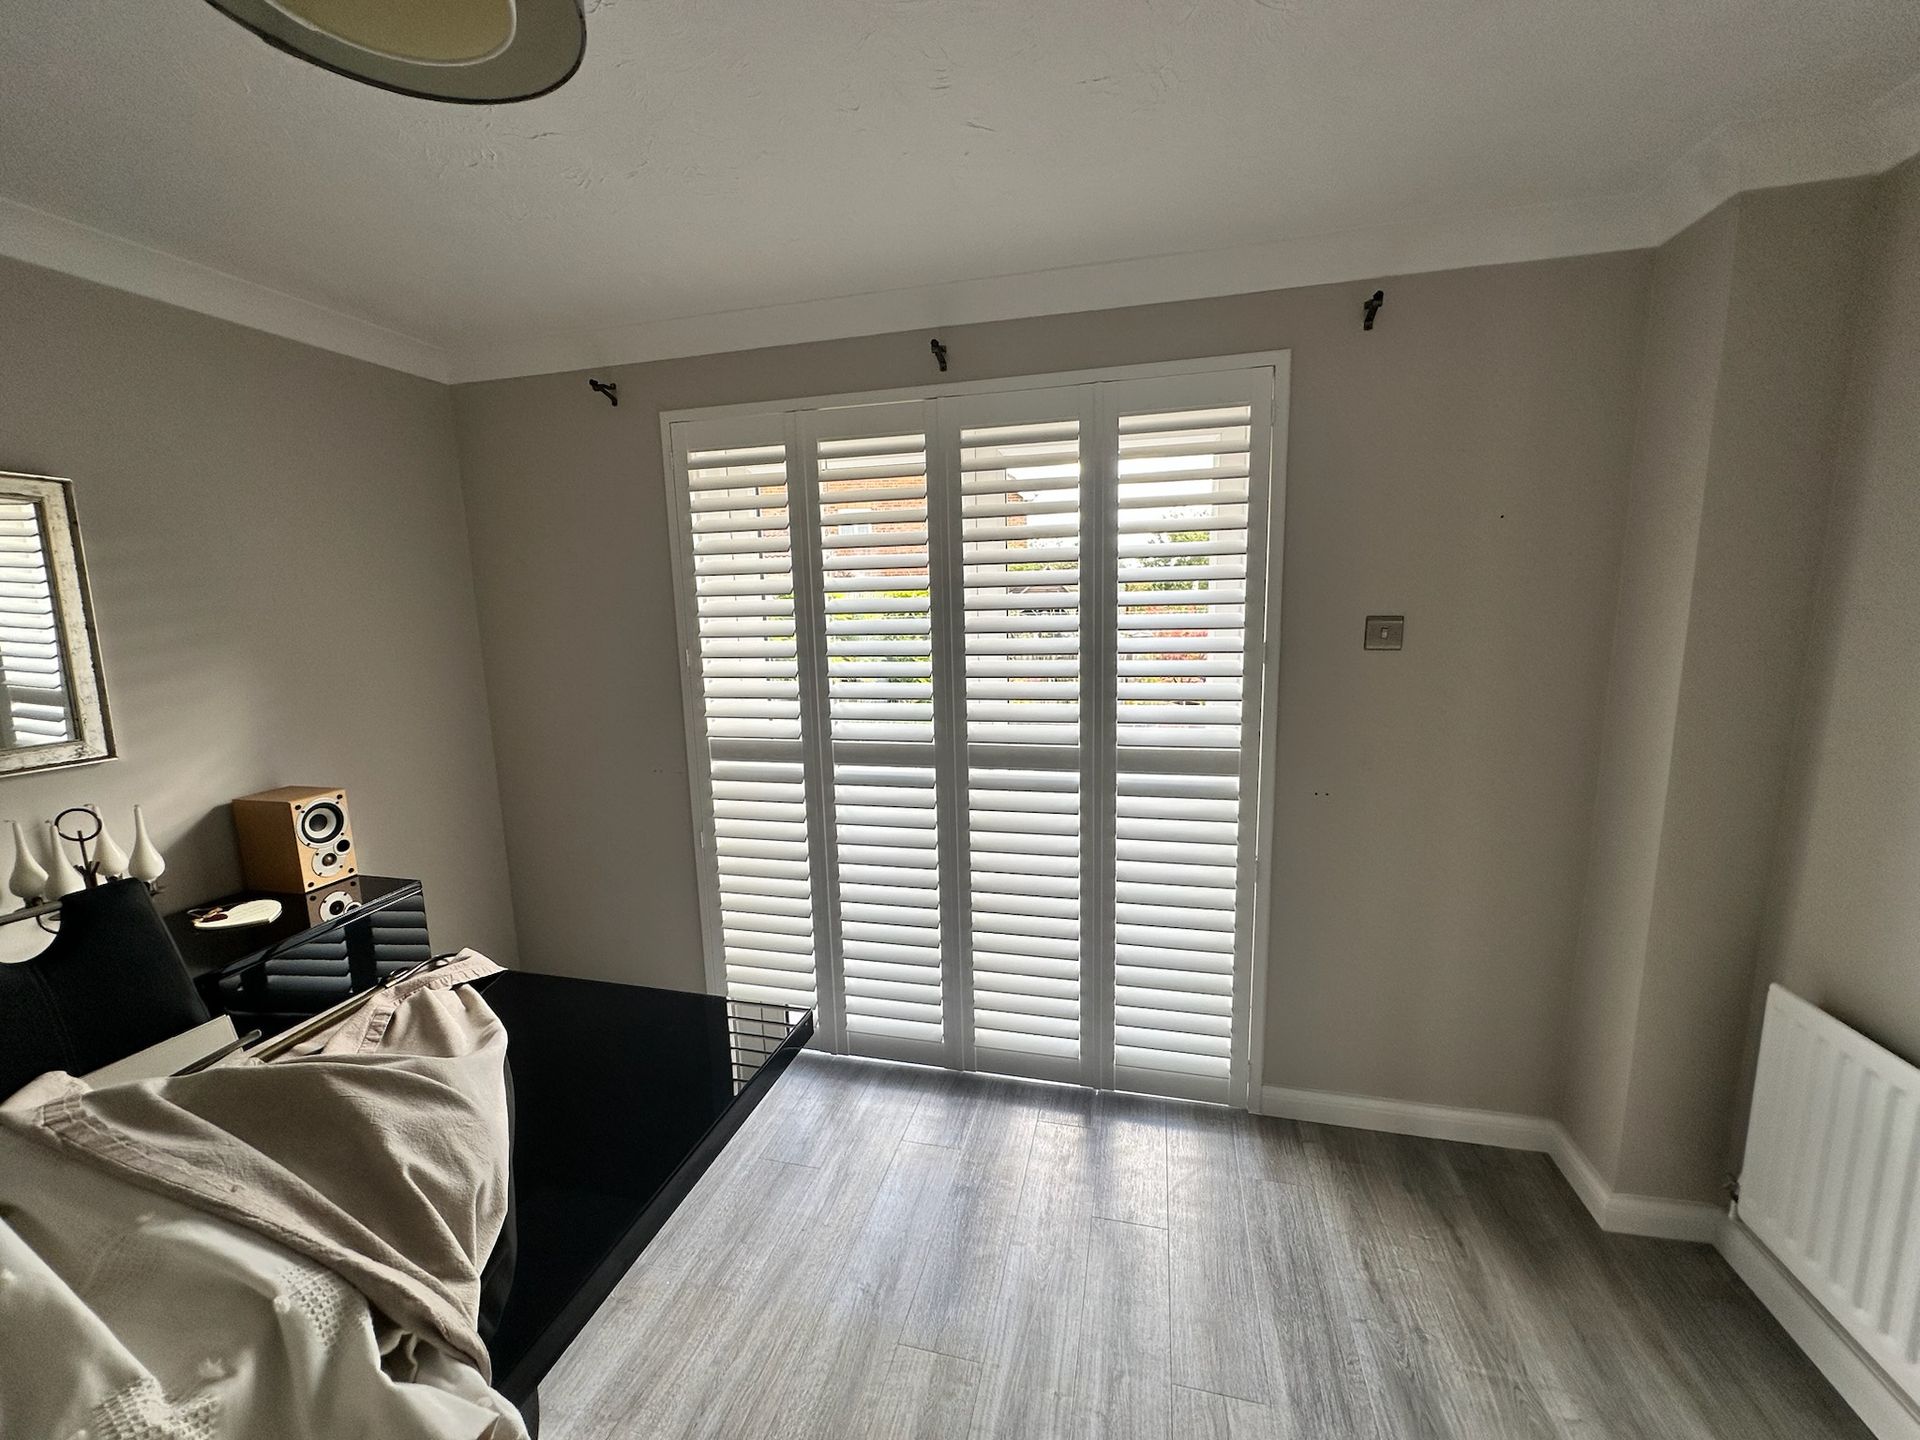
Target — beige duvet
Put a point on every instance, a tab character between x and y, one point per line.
286	1250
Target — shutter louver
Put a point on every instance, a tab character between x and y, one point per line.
1020	528
750	701
38	708
885	824
876	594
1176	857
874	577
1183	578
1024	854
1181	641
1020	582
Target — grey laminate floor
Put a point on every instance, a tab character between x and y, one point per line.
887	1252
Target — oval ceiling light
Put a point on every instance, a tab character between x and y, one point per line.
474	52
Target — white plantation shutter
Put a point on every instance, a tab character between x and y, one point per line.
885	820
875	576
1020	588
740	527
1024	846
765	891
1020	532
982	711
873	568
1180	618
38	709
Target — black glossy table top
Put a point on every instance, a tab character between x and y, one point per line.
623	1095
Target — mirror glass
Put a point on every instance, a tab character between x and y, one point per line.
53	704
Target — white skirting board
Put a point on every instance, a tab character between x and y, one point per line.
1629	1214
1860	1382
1622	1214
1407	1117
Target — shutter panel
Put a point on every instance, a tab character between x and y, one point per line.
1020	588
740	528
877	603
1182	492
38	708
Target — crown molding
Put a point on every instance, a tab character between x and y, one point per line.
1536	233
1744	156
1750	155
1765	154
57	243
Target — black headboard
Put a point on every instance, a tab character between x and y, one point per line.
112	982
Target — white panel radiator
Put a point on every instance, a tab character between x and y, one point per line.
1829	1181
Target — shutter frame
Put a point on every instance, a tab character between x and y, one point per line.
989	678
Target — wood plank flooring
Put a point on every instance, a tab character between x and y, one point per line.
888	1253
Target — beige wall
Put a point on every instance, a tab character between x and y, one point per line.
1525	864
1465	463
1795	292
1750	331
1794	297
1845	930
1686	332
279	564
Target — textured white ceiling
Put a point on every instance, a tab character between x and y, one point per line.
724	157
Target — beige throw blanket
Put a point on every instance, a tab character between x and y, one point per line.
288	1250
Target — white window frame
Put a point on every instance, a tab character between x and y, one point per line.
754	420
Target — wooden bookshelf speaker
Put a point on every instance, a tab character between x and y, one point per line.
294	839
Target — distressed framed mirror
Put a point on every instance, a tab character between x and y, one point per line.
53	697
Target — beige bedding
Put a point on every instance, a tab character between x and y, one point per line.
287	1250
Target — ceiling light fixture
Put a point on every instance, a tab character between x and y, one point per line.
473	52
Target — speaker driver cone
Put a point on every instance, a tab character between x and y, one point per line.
320	822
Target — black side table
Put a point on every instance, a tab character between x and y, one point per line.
269	976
